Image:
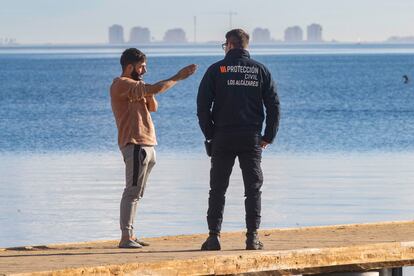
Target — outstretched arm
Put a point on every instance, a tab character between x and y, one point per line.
164	85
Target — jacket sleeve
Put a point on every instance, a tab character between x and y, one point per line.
205	100
272	105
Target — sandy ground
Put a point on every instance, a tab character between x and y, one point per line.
103	253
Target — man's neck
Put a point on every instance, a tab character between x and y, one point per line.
123	75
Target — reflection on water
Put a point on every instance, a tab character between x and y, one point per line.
51	198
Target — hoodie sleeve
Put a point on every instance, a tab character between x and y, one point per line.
272	105
125	89
205	99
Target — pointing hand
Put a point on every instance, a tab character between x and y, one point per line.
186	71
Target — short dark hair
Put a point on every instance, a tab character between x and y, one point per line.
238	37
132	56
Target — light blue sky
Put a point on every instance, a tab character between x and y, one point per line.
86	21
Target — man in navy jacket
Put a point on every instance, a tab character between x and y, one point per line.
235	97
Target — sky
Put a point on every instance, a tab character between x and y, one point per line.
87	21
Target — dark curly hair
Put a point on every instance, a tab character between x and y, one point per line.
132	56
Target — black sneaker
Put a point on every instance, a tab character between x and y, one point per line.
253	242
212	243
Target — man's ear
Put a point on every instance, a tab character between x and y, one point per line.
230	45
128	69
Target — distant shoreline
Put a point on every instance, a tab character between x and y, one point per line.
204	44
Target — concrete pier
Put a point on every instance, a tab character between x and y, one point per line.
309	250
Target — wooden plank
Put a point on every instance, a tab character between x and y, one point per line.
297	250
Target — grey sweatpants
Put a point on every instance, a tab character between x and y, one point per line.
139	160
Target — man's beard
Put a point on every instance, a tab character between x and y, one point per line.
136	76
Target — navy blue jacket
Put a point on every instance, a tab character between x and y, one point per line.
232	96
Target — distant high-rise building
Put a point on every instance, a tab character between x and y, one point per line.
261	35
116	34
140	35
294	34
7	41
175	36
314	33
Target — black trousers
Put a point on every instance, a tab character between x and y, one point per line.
226	147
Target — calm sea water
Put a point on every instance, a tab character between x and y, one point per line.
344	152
52	100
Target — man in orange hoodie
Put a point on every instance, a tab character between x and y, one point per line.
132	101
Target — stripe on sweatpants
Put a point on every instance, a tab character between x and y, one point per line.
137	162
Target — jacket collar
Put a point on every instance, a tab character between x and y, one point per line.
237	53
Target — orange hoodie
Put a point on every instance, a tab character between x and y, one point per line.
131	108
